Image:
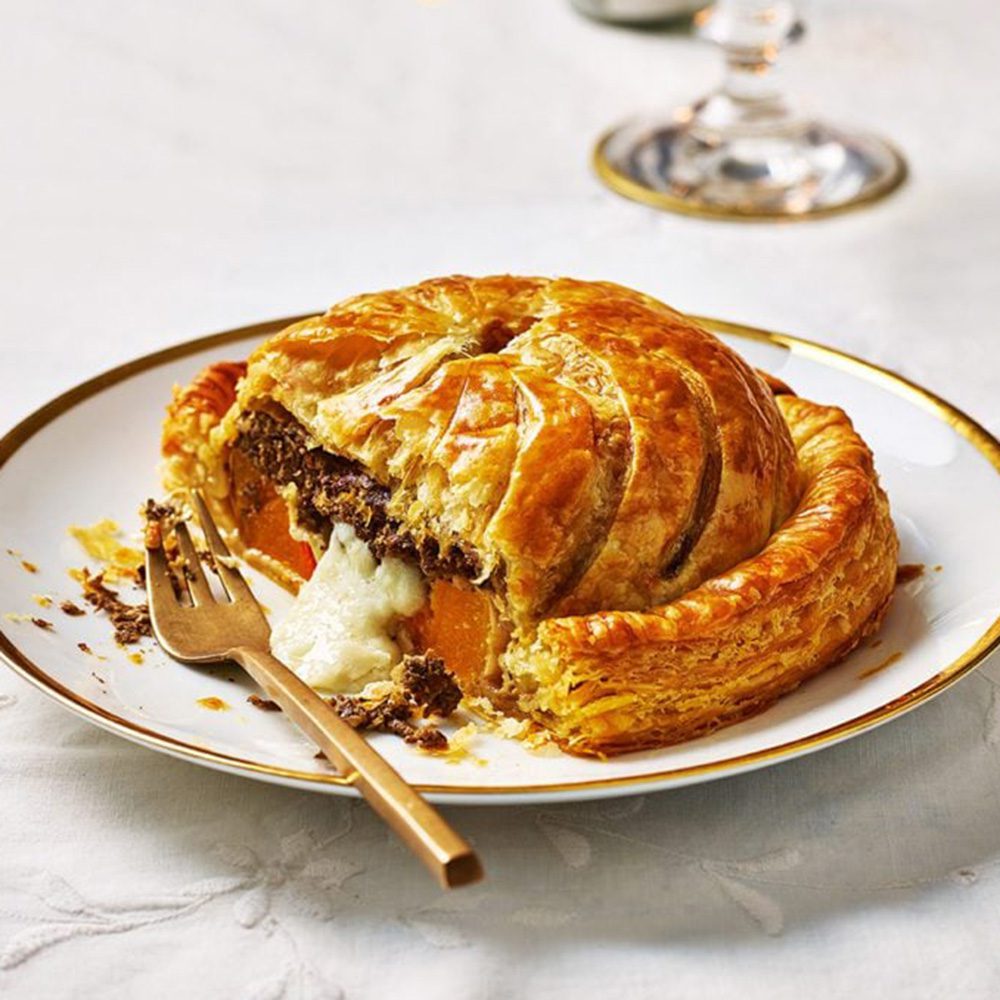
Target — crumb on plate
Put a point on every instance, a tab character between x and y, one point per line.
264	704
102	541
907	572
214	704
131	621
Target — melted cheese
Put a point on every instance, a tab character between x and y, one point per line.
338	635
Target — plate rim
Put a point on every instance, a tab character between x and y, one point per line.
981	439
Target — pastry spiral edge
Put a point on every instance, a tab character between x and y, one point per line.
613	682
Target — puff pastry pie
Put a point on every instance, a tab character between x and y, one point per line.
627	535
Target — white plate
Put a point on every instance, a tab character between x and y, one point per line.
92	453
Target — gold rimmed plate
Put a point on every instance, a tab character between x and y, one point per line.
92	453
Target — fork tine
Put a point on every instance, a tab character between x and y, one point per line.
231	579
194	576
159	585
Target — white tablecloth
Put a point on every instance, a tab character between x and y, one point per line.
172	169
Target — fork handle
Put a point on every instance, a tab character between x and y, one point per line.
424	830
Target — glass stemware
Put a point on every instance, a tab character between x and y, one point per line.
744	151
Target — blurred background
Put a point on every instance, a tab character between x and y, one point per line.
173	169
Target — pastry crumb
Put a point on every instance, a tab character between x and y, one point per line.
43	624
42	600
908	572
458	746
71	609
102	541
524	730
214	704
264	704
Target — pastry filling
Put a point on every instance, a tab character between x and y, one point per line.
376	592
333	489
339	635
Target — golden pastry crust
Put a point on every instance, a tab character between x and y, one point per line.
592	445
626	484
190	455
619	681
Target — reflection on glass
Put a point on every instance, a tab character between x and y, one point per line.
744	150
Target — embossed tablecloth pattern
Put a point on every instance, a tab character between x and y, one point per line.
168	170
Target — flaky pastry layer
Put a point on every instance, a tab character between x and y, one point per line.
619	681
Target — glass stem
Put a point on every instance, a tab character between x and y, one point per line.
751	34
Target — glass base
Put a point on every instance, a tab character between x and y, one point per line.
804	171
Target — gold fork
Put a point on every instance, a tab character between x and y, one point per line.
211	631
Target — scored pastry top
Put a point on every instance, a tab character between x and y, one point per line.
587	447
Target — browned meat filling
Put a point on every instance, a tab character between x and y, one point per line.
332	488
131	621
422	689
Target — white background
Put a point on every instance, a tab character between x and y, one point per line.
172	169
